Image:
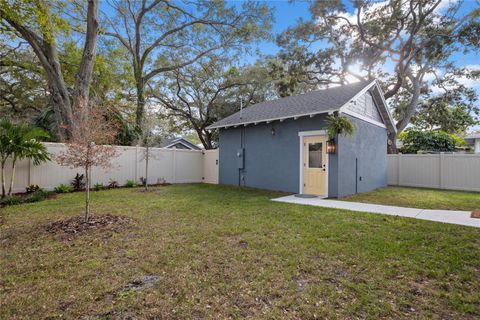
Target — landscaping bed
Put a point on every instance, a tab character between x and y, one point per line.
206	251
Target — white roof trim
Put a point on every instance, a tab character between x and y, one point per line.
362	117
181	142
344	109
281	119
386	107
331	111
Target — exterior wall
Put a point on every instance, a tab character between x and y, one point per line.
362	159
270	161
365	106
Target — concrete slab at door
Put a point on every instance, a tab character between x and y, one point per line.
315	165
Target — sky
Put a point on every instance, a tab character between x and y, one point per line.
288	13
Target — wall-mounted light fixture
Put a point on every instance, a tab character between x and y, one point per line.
273	131
331	146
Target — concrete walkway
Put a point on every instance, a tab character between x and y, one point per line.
446	216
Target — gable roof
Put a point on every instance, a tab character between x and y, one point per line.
171	142
307	104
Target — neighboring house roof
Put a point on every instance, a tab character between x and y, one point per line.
471	137
308	104
172	142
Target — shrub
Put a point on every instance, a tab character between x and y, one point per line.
36	196
113	184
78	182
436	141
32	188
130	184
143	181
64	188
98	186
11	200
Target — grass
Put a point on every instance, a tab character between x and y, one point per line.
420	198
225	252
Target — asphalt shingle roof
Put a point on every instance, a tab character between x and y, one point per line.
319	101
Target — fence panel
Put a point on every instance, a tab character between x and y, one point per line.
441	171
165	165
210	166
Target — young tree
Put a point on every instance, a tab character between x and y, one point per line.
20	142
89	147
26	146
38	22
148	140
6	129
417	38
162	36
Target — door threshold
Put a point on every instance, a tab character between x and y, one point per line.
307	196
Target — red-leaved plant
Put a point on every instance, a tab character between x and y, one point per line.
90	145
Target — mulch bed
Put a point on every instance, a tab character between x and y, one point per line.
77	225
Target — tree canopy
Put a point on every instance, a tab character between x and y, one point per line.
187	64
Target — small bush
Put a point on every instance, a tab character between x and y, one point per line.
37	196
98	186
32	188
143	181
11	200
113	184
130	184
78	182
64	188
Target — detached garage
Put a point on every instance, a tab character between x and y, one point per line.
283	145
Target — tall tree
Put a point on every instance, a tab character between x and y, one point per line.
162	36
199	95
23	89
38	22
398	41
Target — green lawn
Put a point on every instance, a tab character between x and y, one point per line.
225	252
420	198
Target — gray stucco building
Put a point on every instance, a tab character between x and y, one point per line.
282	144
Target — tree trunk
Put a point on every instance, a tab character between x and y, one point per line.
392	143
12	177
408	113
3	179
205	138
47	53
85	70
87	193
140	108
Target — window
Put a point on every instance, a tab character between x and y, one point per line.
315	155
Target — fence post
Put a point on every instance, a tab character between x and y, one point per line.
29	179
174	164
440	166
136	163
399	161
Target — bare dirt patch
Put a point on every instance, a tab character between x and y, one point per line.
76	225
141	283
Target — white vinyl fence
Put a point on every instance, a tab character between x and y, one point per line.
441	171
169	165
